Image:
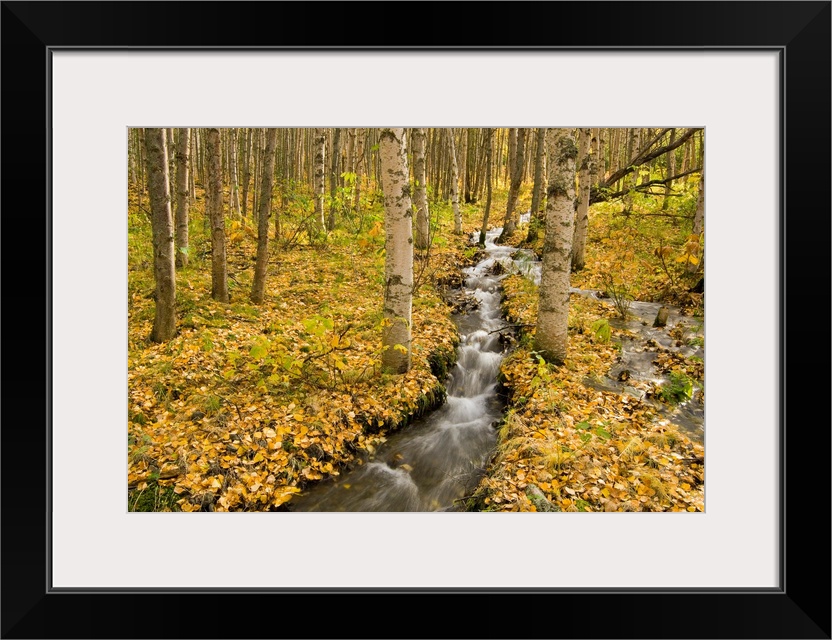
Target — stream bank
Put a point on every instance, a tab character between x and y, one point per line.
603	432
435	462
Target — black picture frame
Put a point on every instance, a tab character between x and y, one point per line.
800	608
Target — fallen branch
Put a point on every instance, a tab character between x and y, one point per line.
511	326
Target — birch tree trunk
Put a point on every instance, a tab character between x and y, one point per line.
455	185
183	146
359	164
320	144
538	171
132	157
420	193
232	174
158	183
246	169
582	213
257	151
488	143
171	145
535	218
219	274
671	170
511	218
333	177
258	286
594	147
551	335
398	265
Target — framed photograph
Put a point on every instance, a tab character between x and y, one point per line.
754	76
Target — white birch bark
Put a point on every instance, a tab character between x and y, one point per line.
183	147
582	210
320	171
420	193
398	266
455	184
551	335
232	174
158	184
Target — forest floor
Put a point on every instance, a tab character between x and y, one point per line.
250	404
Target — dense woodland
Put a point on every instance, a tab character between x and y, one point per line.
292	296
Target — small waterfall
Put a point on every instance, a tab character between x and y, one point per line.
438	459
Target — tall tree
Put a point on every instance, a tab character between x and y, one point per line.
540	139
582	209
183	146
398	264
671	170
455	184
551	334
420	193
158	183
320	171
258	286
171	145
511	218
246	168
535	219
489	133
333	177
359	164
219	269
232	173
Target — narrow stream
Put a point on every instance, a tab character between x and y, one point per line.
438	459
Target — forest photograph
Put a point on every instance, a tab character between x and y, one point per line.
416	319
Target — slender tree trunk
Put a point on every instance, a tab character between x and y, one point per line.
232	173
670	163
320	172
359	165
258	286
455	184
420	194
140	145
132	155
182	196
171	145
538	171
615	152
199	136
489	135
191	169
466	165
219	274
258	170
582	217
164	322
398	266
596	163
551	335
511	218
246	169
632	149
333	177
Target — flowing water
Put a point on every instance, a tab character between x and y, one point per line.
640	348
438	459
434	462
